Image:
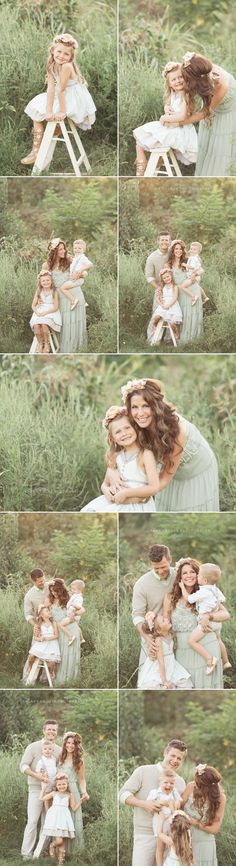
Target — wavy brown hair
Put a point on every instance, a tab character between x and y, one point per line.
171	256
63	264
176	593
162	435
181	838
58	587
197	81
77	756
206	793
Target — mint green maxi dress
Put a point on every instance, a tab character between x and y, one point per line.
191	326
73	336
184	620
217	139
69	668
204	844
74	846
195	485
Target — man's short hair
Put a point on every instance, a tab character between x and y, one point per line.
157	551
176	744
37	572
50	722
165	232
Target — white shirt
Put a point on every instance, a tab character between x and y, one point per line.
207	598
75	601
194	262
49	765
79	262
157	794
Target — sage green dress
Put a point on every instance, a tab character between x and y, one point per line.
195	485
204	845
73	336
74	845
69	668
184	620
191	327
217	139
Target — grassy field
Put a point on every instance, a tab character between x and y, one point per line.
28	31
192	211
151	36
52	445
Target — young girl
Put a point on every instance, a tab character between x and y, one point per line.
151	135
208	600
66	95
167	309
58	822
178	841
166	796
46	313
163	672
79	261
194	266
46	646
137	467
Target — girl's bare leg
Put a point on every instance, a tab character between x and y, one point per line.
159	852
46	347
38	331
37	132
141	161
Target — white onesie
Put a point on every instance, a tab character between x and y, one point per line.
76	600
208	599
157	794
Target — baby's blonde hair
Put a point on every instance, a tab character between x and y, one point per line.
68	40
80	241
78	584
196	244
211	572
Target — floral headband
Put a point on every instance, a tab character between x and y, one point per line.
169	66
54	243
182	560
200	769
187	58
132	385
180	812
66	39
165	270
175	241
113	412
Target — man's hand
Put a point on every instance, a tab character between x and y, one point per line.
152	806
151	646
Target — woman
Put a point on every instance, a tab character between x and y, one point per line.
204	802
217	129
191	327
188	473
71	761
184	619
69	667
74	334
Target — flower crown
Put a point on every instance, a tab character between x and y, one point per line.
187	58
112	413
150	618
165	270
180	812
169	66
182	560
132	385
54	243
200	769
66	39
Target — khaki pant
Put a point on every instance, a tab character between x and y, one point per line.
34	811
144	850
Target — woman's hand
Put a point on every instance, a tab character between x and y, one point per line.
120	496
116	480
85	796
151	646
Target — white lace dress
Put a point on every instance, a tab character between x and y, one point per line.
79	104
53	320
149	673
183	139
58	821
47	649
131	472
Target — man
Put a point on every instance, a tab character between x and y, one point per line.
36	595
149	592
28	766
134	793
156	261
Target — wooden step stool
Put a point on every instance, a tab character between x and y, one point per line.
53	343
163	155
39	664
48	144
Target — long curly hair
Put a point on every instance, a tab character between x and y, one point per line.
77	755
190	102
197	81
181	838
176	593
171	255
58	587
39	287
207	792
63	264
67	40
162	435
